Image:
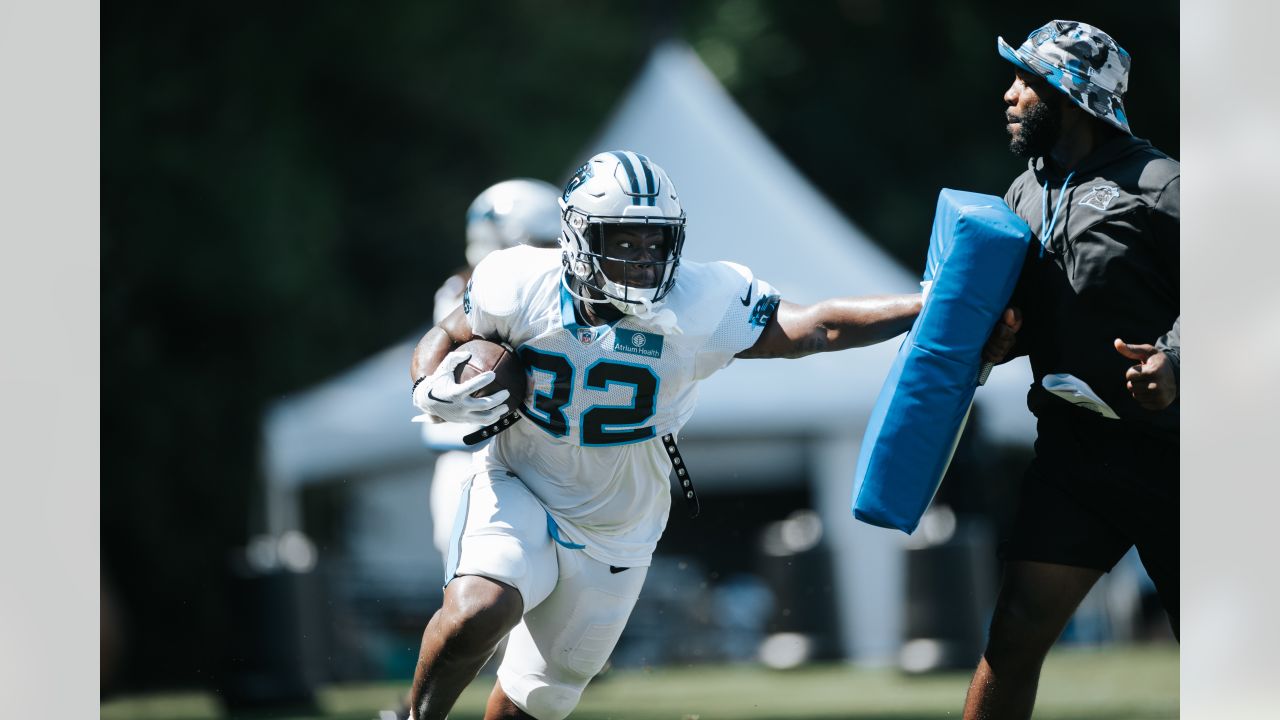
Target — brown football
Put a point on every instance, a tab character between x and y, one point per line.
509	371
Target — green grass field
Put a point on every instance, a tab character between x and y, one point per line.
1110	684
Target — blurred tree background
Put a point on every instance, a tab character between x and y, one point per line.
284	187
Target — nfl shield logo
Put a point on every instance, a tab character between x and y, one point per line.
586	335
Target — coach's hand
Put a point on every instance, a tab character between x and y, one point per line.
1152	381
442	397
1003	336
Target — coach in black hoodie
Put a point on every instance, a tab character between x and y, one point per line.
1099	318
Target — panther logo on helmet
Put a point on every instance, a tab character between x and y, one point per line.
620	187
580	176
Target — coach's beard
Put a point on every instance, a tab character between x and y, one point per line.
1037	130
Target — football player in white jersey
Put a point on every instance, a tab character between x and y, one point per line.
557	524
514	212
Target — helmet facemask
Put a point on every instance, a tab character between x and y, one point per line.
631	285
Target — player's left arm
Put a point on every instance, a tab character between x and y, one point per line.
436	392
835	324
439	341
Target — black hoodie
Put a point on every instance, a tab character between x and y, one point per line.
1109	270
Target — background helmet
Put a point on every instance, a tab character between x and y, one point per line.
513	212
619	187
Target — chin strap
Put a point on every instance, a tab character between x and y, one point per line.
564	283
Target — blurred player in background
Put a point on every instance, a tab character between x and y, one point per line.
562	514
1099	294
511	213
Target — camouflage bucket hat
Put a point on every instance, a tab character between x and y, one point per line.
1081	61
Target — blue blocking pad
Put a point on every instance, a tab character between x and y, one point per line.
976	252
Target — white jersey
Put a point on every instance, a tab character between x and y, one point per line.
601	398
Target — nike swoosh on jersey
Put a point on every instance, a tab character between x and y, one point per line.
614	569
747	300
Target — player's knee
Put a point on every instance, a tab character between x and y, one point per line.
552	702
479	613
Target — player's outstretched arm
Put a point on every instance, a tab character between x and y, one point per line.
835	324
439	341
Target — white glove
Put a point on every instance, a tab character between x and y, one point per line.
442	397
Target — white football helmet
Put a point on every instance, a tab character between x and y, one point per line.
620	187
511	213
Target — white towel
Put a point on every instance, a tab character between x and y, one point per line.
1076	391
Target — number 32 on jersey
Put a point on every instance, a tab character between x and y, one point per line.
600	424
